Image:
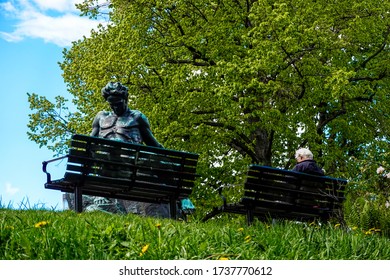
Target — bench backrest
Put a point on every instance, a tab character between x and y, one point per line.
288	194
129	171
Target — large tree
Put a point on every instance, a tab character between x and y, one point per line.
237	81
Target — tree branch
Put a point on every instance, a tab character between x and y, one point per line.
370	79
384	44
187	61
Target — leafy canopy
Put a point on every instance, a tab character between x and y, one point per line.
236	81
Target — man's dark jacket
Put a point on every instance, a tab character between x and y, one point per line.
309	166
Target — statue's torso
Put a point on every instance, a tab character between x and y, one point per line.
124	128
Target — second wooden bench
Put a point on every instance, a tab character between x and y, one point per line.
284	194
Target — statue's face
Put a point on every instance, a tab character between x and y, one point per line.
118	105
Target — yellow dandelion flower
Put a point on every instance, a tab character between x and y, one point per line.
241	229
247	238
158	226
337	225
223	258
41	224
144	249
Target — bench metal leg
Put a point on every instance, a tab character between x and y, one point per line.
213	213
78	200
249	216
172	207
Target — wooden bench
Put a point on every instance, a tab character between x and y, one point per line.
113	169
283	194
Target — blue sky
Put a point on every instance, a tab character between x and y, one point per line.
33	34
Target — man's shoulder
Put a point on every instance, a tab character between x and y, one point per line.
135	113
309	163
103	114
300	166
311	167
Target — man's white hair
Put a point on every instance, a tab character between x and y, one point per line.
303	152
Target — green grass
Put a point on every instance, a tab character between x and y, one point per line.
45	235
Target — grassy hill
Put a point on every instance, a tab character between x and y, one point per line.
66	235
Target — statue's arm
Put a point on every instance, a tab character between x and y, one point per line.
146	132
95	125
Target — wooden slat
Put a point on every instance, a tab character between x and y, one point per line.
135	195
78	156
278	192
167	152
120	185
112	169
174	178
116	155
276	206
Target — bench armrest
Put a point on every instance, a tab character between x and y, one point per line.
44	167
222	196
220	189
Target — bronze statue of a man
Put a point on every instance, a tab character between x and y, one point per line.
122	124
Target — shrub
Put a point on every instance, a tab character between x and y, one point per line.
368	203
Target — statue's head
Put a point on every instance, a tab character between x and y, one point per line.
116	95
115	90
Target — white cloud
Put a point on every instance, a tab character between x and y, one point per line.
8	7
58	30
36	19
57	5
10	190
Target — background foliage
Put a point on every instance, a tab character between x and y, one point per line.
237	81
